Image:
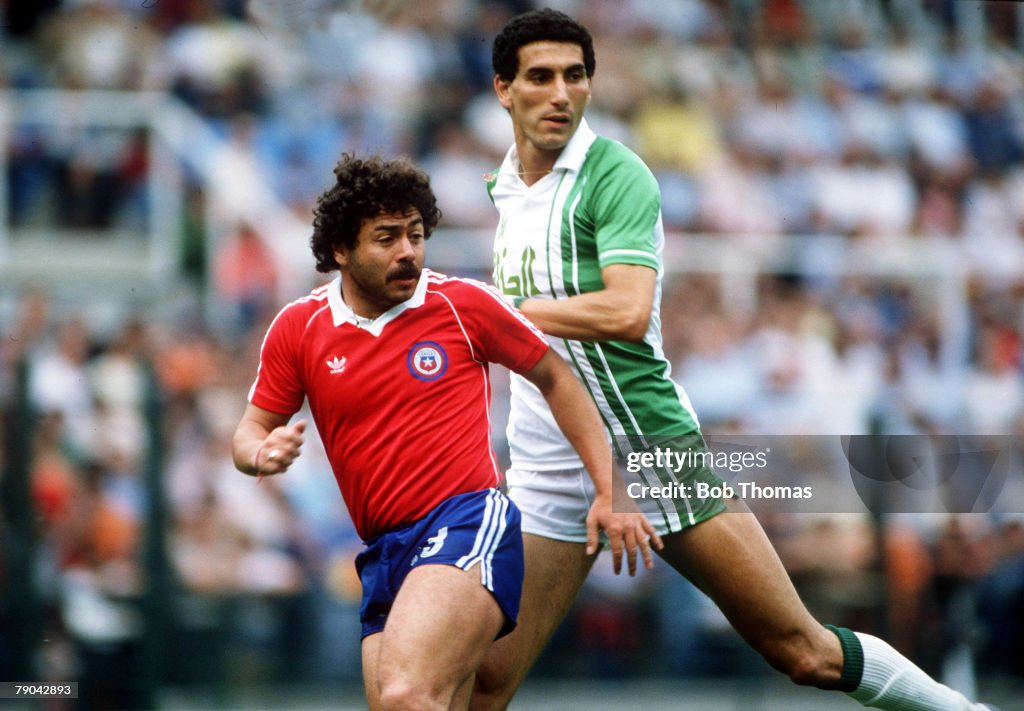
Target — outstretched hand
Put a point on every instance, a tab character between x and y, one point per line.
627	532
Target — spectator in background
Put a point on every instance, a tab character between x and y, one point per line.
994	142
454	163
718	369
866	194
795	365
59	382
245	276
221	66
994	389
936	133
29	172
100	585
120	385
853	60
993	226
930	379
736	199
94	44
1000	598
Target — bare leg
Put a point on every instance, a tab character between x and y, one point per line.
460	701
730	558
555	570
442	623
371	675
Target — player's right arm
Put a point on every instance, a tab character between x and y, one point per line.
579	420
621	311
264	442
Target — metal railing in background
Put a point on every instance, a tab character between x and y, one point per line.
20	610
119	268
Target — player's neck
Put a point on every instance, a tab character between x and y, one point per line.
363	308
534	165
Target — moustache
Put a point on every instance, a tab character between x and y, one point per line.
407	270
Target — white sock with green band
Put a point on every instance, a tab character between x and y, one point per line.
888	680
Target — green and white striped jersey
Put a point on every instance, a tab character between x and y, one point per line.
600	205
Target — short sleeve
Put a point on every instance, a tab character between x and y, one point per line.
626	210
278	386
498	332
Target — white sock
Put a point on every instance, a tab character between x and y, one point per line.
891	681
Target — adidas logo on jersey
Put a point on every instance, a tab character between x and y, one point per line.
337	365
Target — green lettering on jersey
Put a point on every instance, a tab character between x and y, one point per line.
515	283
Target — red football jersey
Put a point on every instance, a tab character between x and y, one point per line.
401	402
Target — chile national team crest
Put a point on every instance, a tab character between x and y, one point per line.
427	361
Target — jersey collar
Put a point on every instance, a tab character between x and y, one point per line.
575	151
341	313
570	159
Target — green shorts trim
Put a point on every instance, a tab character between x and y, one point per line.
671	478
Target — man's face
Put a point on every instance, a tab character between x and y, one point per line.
384	267
547	97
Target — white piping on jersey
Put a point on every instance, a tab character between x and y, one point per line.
572	237
455	313
488	538
494	294
626	253
553	253
318	294
485	374
486	383
317	313
673	516
588	373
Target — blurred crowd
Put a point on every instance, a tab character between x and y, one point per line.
874	123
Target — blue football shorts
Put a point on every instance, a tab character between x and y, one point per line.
480	528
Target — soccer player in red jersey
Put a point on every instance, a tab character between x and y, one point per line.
393	359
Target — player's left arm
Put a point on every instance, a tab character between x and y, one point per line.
579	420
621	311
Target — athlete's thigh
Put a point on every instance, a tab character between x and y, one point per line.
441	624
554	572
371	667
730	558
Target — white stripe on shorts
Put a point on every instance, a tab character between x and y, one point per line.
488	537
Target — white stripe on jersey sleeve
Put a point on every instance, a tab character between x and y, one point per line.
318	294
648	256
497	296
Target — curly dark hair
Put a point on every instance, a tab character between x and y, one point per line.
365	188
538	26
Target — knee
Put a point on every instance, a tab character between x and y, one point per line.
400	695
488	700
493	689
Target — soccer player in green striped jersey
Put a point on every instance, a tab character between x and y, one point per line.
579	249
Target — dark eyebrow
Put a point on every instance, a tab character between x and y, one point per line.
393	227
544	69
